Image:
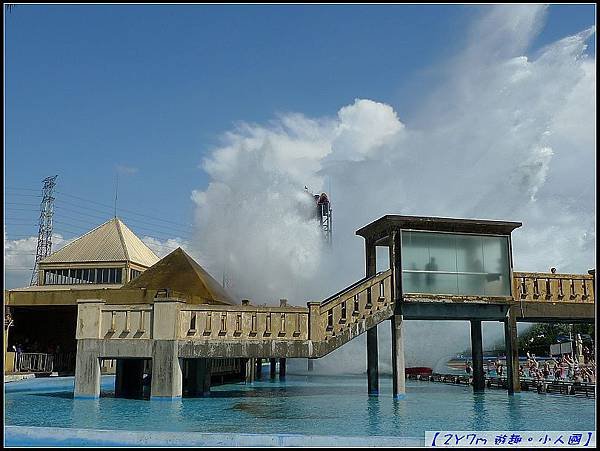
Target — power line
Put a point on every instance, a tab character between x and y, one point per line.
123	209
105	214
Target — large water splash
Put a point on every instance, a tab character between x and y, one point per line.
505	136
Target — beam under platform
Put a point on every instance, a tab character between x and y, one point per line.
512	352
477	356
372	362
258	368
282	364
398	365
129	378
197	380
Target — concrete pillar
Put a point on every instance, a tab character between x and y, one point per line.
273	368
372	355
166	370
87	371
129	378
370	258
281	368
512	352
250	372
198	377
372	362
258	368
398	366
477	355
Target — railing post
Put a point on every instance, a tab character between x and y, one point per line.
315	325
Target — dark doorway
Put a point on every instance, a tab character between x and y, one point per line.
48	330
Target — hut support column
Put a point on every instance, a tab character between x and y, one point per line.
258	368
477	355
512	353
87	372
273	368
372	361
281	368
398	365
372	354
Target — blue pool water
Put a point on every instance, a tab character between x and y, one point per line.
310	405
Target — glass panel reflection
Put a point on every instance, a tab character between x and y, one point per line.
446	263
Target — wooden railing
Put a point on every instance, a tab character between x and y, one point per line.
126	321
319	322
346	308
548	287
212	322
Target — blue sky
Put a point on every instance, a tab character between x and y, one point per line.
151	90
153	87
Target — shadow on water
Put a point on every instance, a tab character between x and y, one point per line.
479	414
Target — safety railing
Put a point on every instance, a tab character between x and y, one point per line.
211	322
34	362
552	287
354	304
126	321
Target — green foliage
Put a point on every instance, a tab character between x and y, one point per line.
539	337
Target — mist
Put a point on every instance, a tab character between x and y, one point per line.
505	135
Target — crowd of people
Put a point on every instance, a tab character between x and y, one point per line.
565	368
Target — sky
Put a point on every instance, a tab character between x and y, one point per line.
214	118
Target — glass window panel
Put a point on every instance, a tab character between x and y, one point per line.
119	275
474	264
415	251
496	265
442	252
105	274
441	283
471	284
469	253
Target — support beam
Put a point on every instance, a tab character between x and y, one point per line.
250	373
370	258
372	362
512	352
398	366
273	368
166	370
87	372
281	368
477	355
198	377
129	378
258	368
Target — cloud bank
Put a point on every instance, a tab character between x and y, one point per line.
506	135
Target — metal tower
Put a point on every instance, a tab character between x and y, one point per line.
324	215
44	243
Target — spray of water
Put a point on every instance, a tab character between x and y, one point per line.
504	136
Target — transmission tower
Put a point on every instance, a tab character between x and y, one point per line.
44	243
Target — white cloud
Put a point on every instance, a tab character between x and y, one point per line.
19	258
506	136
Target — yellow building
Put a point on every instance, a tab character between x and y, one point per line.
106	263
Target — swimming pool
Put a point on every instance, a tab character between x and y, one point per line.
307	405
